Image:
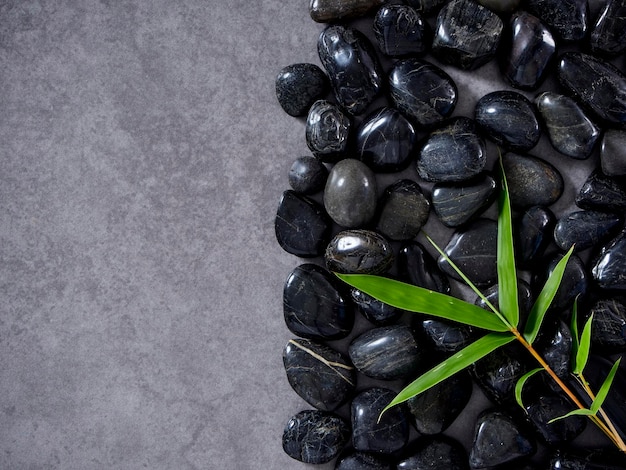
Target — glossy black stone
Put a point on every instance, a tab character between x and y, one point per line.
327	131
585	229
508	118
555	346
350	195
594	459
525	299
385	140
323	377
498	440
547	407
570	131
325	11
314	305
473	250
422	91
501	6
533	234
352	66
359	252
609	270
602	193
454	152
375	311
458	203
608	35
531	180
498	372
315	437
425	6
302	226
403	210
435	453
445	336
416	266
307	175
613	152
363	461
388	435
298	86
575	282
568	19
598	85
467	34
386	353
608	332
436	409
401	30
531	49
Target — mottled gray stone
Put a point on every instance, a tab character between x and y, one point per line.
531	180
403	210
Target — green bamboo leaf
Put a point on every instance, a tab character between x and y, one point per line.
417	299
452	365
604	389
538	312
574	330
584	347
578	412
507	275
519	386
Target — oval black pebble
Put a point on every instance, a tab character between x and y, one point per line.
416	266
602	193
608	35
533	234
613	152
307	175
608	331
531	180
313	305
325	11
609	270
585	229
375	311
435	453
543	409
400	30
323	377
567	18
327	131
315	437
403	210
298	86
359	252
363	461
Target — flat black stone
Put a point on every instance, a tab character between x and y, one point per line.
608	35
531	49
454	152
315	437
352	66
401	30
533	234
298	86
445	336
314	305
575	282
498	372
608	332
586	229
570	131
323	377
363	461
385	140
359	252
327	131
609	270
422	91
602	193
375	311
458	203
307	175
435	453
613	152
531	180
302	226
467	34
326	11
416	266
547	407
591	459
403	210
568	19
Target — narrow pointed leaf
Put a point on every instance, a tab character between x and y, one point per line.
574	330
417	299
507	275
604	389
578	412
538	312
452	365
519	386
584	347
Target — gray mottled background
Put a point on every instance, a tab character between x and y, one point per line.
143	154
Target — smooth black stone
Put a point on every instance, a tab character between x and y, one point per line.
404	210
445	336
323	377
602	193
498	440
498	372
608	35
531	180
609	270
400	30
326	11
531	48
595	459
298	86
359	252
508	118
422	91
598	85
547	407
575	282
500	6
568	19
436	409
458	203
388	435
570	131
533	234
452	153
315	437
307	175
555	346
385	141
416	266
608	331
302	226
375	311
473	250
585	229
350	195
466	35
613	152
525	299
435	453
363	461
352	66
425	6
386	353
314	305
327	131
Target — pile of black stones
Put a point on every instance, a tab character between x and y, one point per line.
392	156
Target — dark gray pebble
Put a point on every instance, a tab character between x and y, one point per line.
531	180
307	175
298	86
403	210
